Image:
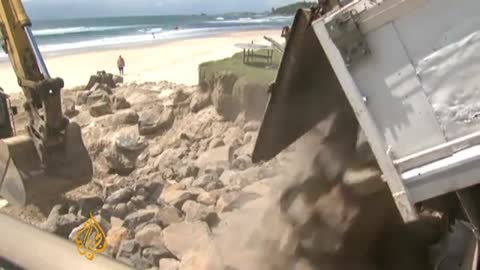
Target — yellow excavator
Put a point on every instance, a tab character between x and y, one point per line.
51	158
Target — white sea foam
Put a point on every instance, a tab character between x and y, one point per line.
249	20
80	29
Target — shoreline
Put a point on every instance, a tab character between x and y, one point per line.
170	60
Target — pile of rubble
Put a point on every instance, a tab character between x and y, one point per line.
169	165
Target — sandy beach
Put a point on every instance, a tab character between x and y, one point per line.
175	61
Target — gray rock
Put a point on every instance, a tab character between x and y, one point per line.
180	238
120	103
188	171
69	108
195	211
207	198
168	215
150	235
154	254
120	210
204	180
97	96
173	196
129	143
61	225
131	207
226	202
90	204
151	123
120	196
168	264
221	156
139	201
214	185
200	100
134	219
100	109
186	182
126	251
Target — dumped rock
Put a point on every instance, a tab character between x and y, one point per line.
200	100
136	218
90	204
220	156
195	211
226	202
120	103
120	210
150	235
120	196
127	249
174	196
125	117
207	258
151	123
168	264
97	96
115	236
100	109
123	154
69	108
128	143
180	238
168	215
60	224
154	254
101	77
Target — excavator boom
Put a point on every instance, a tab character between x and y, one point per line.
52	159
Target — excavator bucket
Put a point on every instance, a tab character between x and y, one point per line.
305	91
25	181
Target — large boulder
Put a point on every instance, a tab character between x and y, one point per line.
100	109
69	108
181	238
123	153
222	97
200	100
120	103
221	156
97	96
152	122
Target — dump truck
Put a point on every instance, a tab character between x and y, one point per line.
403	75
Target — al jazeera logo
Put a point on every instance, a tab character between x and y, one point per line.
91	239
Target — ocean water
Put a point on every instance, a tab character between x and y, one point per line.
60	36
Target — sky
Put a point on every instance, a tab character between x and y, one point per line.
45	9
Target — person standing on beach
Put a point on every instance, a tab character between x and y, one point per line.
120	64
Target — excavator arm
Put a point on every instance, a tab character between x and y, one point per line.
52	158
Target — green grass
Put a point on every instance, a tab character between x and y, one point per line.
256	72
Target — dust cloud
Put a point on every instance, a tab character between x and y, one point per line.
330	211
